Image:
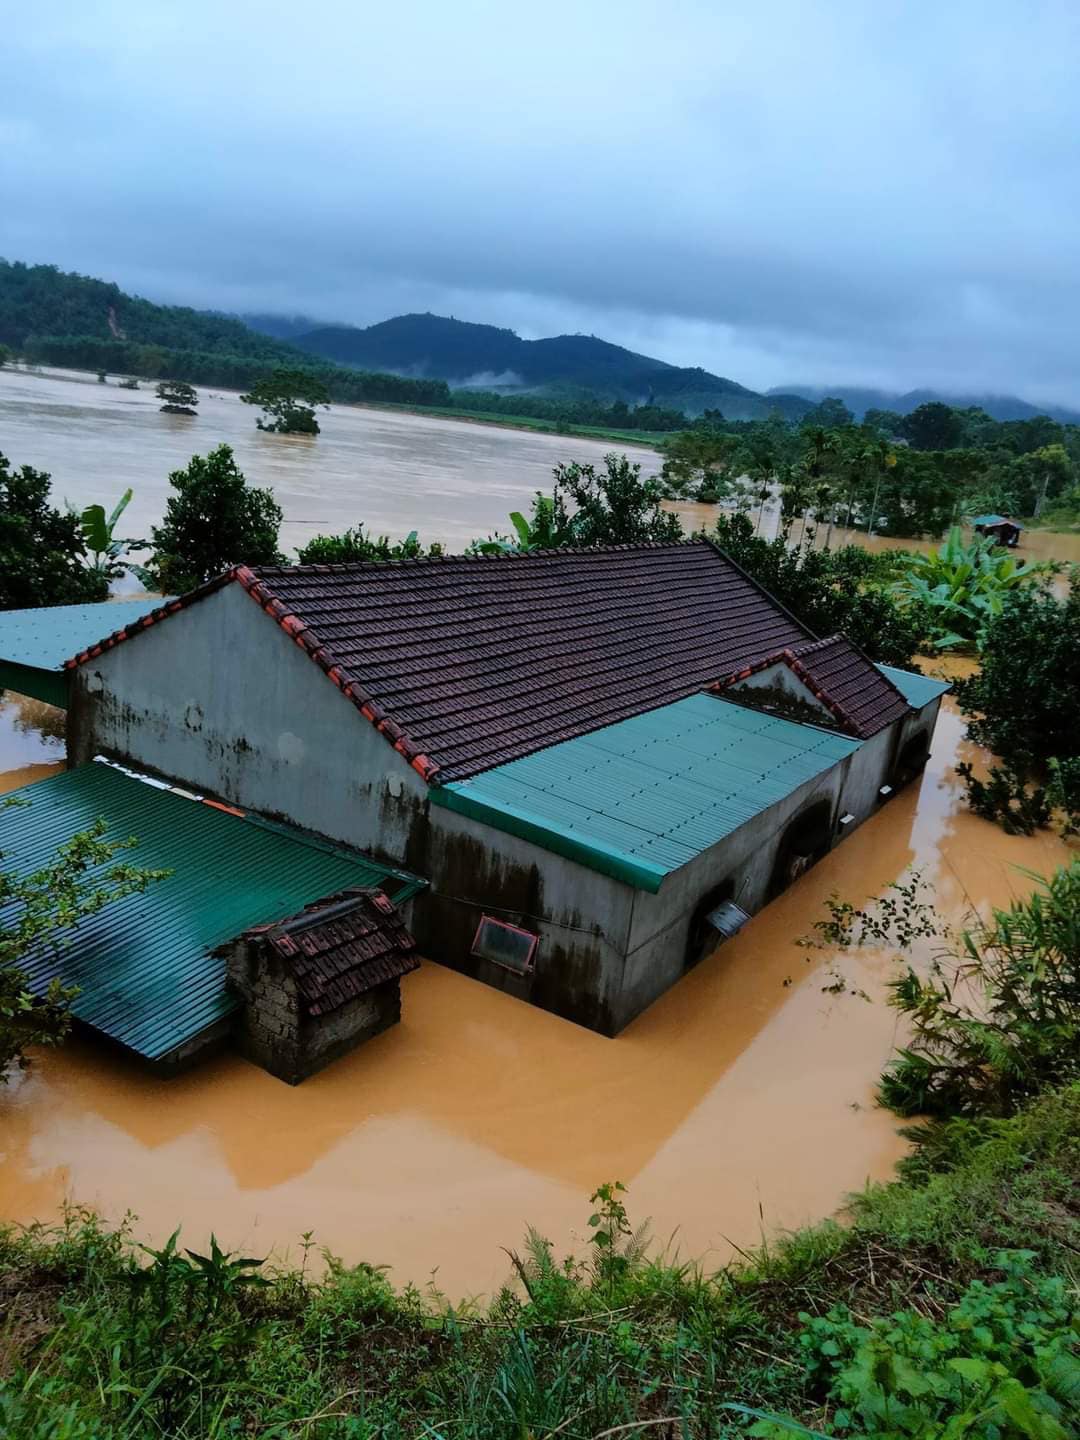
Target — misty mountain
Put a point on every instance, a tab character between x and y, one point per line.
279	327
998	407
41	300
484	356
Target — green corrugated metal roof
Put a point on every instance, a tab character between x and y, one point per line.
44	638
917	690
35	643
143	965
639	799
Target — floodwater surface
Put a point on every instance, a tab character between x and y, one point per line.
395	472
741	1103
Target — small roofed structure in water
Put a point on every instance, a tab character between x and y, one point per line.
998	528
599	761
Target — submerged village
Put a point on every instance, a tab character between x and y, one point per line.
681	843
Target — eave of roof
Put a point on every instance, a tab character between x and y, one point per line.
918	690
641	798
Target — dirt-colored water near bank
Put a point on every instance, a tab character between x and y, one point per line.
1035	545
395	472
740	1102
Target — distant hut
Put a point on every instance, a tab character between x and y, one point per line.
999	529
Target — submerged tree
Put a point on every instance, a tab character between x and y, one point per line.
612	506
42	550
288	398
1021	705
214	520
179	397
702	464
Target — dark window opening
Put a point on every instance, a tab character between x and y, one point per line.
505	945
805	841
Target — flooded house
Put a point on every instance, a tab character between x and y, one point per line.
998	528
587	768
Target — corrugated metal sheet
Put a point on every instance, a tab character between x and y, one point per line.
44	638
917	690
35	643
643	797
143	965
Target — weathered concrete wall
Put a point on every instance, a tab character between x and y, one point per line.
657	953
582	917
219	698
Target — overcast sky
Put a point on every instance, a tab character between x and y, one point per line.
861	191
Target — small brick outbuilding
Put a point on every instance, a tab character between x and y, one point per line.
321	982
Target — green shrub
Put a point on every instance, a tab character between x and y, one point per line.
1003	1362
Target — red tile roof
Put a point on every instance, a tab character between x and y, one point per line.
465	662
341	947
846	682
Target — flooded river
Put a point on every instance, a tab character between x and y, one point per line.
395	472
739	1104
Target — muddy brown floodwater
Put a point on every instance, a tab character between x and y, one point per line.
395	472
741	1103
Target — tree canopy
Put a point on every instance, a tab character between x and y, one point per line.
288	398
214	520
42	550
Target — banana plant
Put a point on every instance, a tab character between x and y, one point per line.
541	532
961	586
99	536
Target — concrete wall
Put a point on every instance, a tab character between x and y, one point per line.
219	698
582	917
779	690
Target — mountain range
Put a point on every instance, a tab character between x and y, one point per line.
472	356
468	355
40	301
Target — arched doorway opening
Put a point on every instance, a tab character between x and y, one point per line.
911	762
807	838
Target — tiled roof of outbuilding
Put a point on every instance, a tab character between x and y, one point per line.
862	699
341	947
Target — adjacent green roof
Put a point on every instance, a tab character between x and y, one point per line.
641	798
917	690
143	965
35	643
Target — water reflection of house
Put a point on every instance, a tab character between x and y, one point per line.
601	762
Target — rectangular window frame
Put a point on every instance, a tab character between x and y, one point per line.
530	960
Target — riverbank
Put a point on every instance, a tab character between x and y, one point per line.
961	1270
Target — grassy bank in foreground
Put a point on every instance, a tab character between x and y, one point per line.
948	1295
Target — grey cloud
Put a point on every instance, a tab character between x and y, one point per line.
778	191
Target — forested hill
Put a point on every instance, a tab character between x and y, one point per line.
466	354
858	399
40	300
